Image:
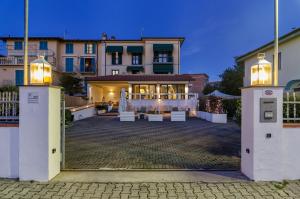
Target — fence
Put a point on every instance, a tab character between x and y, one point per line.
291	107
9	107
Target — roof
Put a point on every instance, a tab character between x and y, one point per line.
197	74
284	38
5	38
141	78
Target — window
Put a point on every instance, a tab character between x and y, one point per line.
116	58
89	48
136	59
18	45
144	91
115	72
19	75
163	57
43	45
69	64
87	65
69	48
172	91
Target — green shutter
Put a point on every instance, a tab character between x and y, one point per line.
69	64
113	49
81	64
135	49
163	47
85	48
113	58
120	58
163	68
94	48
135	68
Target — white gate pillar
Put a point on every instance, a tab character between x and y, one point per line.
39	127
262	127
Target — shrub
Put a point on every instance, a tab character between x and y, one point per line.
214	105
230	106
238	112
102	106
202	104
9	89
68	117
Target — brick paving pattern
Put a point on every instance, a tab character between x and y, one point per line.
105	142
230	190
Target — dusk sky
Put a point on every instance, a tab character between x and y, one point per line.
215	31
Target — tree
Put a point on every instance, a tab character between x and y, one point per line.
232	80
71	85
209	88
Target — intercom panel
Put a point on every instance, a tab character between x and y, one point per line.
268	110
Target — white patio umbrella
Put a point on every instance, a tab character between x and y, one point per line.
217	93
123	101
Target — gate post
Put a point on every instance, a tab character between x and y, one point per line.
39	127
262	127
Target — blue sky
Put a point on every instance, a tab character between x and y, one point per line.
215	30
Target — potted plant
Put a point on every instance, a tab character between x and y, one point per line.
215	110
155	116
101	108
177	115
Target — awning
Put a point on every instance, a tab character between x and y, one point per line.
163	47
135	49
135	68
162	68
113	49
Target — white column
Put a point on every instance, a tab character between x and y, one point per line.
186	90
130	91
261	148
39	140
158	90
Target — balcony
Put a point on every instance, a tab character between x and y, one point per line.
163	60
33	50
19	60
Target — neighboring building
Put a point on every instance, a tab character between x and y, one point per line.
289	60
148	68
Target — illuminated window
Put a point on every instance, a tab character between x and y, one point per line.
115	72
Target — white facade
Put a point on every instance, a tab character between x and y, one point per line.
289	68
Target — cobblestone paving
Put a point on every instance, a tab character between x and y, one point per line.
12	189
105	142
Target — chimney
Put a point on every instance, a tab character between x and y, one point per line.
104	36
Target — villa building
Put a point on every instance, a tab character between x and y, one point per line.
289	59
147	68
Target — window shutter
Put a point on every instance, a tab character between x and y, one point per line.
69	64
94	48
120	58
85	48
113	58
19	75
93	65
81	64
140	59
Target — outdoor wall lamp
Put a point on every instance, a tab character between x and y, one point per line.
40	72
261	73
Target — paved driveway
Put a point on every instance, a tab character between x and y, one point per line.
105	142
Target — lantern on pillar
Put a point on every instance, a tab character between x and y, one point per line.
261	73
40	72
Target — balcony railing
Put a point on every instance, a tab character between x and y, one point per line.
162	60
9	107
19	60
163	96
33	50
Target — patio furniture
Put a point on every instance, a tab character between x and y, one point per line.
155	117
127	116
178	116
